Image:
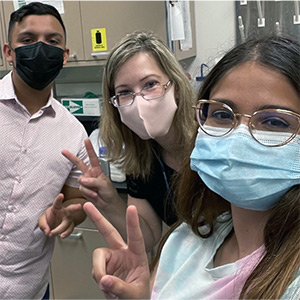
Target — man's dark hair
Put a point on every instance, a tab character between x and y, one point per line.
33	8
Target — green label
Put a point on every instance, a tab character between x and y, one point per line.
73	106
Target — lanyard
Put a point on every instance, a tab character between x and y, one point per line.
170	194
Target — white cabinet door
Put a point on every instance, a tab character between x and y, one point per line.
120	18
71	266
2	34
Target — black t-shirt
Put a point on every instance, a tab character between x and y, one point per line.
155	191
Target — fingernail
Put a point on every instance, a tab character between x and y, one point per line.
101	286
105	283
84	180
108	282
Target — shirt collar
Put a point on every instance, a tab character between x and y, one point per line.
8	94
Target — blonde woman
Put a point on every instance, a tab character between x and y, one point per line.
146	125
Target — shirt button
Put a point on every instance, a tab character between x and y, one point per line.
11	208
3	237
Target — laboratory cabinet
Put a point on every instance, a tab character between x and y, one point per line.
118	18
85	20
2	34
71	264
72	21
191	52
94	27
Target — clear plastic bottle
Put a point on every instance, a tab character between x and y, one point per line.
103	159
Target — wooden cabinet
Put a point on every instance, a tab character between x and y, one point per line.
72	21
83	18
6	8
180	54
2	34
119	18
71	265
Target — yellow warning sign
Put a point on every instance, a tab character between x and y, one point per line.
99	39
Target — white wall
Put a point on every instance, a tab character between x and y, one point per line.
215	32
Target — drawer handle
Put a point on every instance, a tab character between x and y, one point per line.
75	235
73	56
95	54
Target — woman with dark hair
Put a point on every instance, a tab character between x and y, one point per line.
238	234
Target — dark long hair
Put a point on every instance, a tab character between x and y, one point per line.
196	204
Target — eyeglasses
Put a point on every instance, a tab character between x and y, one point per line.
269	127
151	91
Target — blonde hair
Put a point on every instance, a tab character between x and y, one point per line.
134	154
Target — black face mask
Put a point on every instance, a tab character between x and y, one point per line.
39	64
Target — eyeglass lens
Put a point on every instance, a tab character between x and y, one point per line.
149	92
268	127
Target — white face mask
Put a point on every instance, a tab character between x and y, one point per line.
150	119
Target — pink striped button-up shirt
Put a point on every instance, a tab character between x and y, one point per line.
32	173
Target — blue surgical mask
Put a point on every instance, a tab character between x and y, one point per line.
244	172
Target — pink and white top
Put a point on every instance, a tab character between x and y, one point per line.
186	269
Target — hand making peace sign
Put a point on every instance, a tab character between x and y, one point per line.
95	185
122	271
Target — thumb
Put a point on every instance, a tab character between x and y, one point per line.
117	288
73	208
57	203
43	224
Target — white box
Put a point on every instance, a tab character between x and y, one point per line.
82	106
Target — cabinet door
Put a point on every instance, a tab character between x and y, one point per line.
71	266
120	18
180	54
2	39
117	17
8	8
72	21
2	59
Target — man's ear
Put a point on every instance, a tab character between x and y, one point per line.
66	55
7	51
